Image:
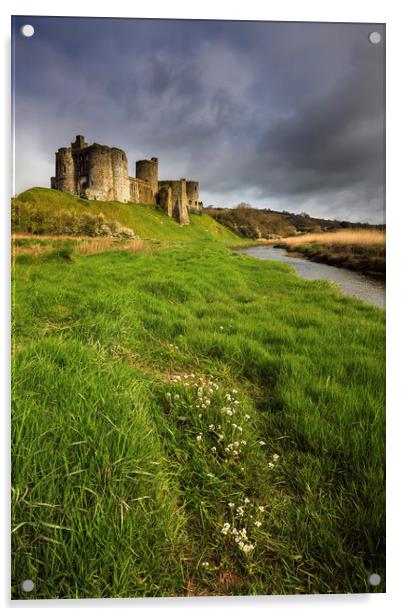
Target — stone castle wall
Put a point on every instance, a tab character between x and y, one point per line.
140	191
178	205
99	172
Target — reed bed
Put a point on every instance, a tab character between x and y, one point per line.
363	237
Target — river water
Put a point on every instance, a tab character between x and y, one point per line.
368	289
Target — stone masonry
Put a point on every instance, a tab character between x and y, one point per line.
100	172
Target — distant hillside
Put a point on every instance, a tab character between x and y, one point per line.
255	223
42	211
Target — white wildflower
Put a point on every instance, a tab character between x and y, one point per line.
257	523
262	443
275	457
199	437
231	505
176	397
213	449
246	416
225	528
261	508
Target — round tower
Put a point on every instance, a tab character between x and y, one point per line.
65	173
148	170
120	175
100	173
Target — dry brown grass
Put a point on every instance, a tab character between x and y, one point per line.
82	246
90	246
361	237
33	249
135	246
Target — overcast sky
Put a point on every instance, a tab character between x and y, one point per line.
280	115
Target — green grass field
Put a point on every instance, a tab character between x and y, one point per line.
193	421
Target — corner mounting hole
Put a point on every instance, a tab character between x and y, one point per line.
374	579
27	585
27	30
375	38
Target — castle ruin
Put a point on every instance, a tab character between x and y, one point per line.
99	172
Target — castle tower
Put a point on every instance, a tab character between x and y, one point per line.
148	170
192	193
120	175
65	171
100	173
79	143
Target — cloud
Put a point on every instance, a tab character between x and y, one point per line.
281	115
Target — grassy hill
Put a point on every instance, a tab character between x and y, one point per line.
45	211
256	223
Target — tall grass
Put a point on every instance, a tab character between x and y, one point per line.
362	237
128	370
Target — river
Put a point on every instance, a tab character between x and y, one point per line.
368	289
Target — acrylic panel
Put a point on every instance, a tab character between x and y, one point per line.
198	227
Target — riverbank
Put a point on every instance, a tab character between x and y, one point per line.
360	251
166	400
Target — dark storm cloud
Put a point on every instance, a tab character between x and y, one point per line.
330	141
287	116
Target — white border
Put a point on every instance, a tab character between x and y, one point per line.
286	10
